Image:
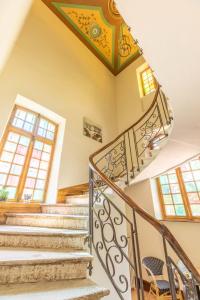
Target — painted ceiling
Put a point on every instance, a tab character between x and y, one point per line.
98	24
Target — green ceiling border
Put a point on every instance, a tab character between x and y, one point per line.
58	6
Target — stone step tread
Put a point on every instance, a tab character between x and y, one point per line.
60	290
43	215
66	205
17	256
40	231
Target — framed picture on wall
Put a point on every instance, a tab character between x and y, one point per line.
92	130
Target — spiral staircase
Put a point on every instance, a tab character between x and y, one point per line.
114	167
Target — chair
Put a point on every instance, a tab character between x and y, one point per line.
159	288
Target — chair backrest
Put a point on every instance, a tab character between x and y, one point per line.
155	265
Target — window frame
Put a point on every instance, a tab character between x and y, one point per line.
186	203
33	137
142	81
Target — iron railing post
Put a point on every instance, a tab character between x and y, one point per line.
91	196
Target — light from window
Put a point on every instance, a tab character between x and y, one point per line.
26	155
148	81
179	191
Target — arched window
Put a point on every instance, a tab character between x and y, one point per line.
26	153
179	191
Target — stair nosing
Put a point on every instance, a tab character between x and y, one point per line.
39	215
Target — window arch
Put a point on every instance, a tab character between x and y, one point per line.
26	153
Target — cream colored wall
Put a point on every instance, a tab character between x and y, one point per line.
187	233
130	105
52	67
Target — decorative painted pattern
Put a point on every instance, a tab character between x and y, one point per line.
128	49
90	22
101	28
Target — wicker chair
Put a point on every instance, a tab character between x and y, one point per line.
159	288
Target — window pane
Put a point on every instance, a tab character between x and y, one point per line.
30	183
7	156
16	170
187	176
193	197
42	174
185	167
21	114
44	165
165	189
163	179
36	154
13	180
175	188
34	163
45	156
195	164
47	148
167	199
11	147
4	167
32	172
19	159
170	210
24	141
177	198
38	145
21	149
11	192
13	137
195	210
40	184
196	175
173	178
180	210
190	187
38	195
198	185
3	179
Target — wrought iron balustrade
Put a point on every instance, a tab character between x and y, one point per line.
117	164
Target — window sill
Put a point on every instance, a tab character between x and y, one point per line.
181	220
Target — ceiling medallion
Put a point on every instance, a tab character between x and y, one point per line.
95	31
113	9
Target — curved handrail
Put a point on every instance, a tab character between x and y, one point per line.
161	228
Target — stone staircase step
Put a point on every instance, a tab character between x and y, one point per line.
29	265
39	237
79	199
68	209
48	220
61	290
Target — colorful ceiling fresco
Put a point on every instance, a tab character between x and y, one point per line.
101	28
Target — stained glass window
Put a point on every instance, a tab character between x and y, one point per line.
148	81
180	191
26	155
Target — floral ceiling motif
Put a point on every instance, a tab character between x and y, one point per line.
102	29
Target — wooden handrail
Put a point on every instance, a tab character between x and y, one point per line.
162	229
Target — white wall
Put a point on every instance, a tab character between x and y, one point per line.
50	66
168	32
12	17
130	105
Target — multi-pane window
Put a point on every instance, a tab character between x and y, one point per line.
179	191
25	155
148	81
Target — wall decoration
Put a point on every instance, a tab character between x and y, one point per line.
92	130
99	25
